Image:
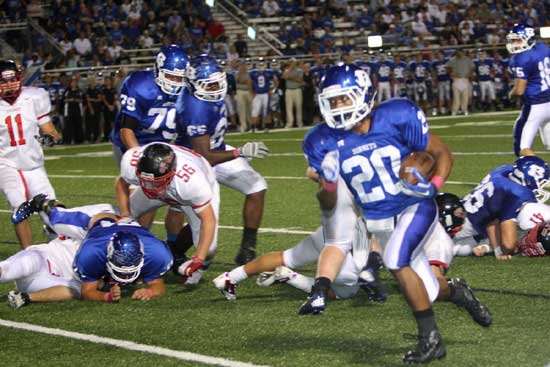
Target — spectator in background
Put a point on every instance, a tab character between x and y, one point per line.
145	40
293	93
241	46
82	44
461	68
233	55
243	99
270	8
114	51
108	99
65	43
72	131
308	94
216	31
195	31
93	111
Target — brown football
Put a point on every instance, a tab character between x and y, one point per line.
423	161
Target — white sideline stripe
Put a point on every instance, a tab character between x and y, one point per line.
125	344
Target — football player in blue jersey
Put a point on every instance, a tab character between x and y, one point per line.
148	102
369	146
530	67
420	69
399	77
443	82
201	126
148	113
485	77
259	87
113	250
492	209
383	74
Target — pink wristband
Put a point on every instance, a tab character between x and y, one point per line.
236	152
108	298
438	182
330	186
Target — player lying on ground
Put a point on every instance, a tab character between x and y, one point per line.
113	250
510	196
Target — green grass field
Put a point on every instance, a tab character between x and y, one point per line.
262	327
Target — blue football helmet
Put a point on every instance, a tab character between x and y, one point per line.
520	38
207	80
170	69
532	172
124	257
350	86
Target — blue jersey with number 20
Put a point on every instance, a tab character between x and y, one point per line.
370	163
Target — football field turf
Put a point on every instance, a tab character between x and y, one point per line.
262	327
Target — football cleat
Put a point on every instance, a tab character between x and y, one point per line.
281	275
245	255
225	286
315	305
28	208
428	348
18	299
371	284
479	311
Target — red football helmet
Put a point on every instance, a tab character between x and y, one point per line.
11	81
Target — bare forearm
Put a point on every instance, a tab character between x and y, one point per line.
122	190
128	138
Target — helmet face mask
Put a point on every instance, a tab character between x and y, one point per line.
11	81
451	213
345	98
170	69
520	38
125	257
207	79
156	170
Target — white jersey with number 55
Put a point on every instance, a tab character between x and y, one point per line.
19	126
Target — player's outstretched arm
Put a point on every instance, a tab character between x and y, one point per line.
49	129
207	231
122	190
201	145
155	288
508	237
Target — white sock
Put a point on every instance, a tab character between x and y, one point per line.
237	275
462	250
301	282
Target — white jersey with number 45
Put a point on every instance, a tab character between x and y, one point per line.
19	126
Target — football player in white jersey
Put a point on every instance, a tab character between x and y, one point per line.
182	179
24	116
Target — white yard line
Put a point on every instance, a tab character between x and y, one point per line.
125	344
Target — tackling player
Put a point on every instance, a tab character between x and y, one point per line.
24	115
169	175
530	66
201	125
369	148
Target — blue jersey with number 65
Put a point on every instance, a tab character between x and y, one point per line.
496	197
198	118
142	99
370	163
534	66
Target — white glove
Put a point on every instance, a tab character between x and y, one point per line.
331	166
253	150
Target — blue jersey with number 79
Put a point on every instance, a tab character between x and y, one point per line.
370	163
142	99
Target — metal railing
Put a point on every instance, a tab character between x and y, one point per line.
245	24
51	40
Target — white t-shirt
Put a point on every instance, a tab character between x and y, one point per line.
19	127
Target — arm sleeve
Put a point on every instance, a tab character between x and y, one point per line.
128	122
128	165
87	266
42	105
414	127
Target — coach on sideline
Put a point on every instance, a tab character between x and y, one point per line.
461	68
